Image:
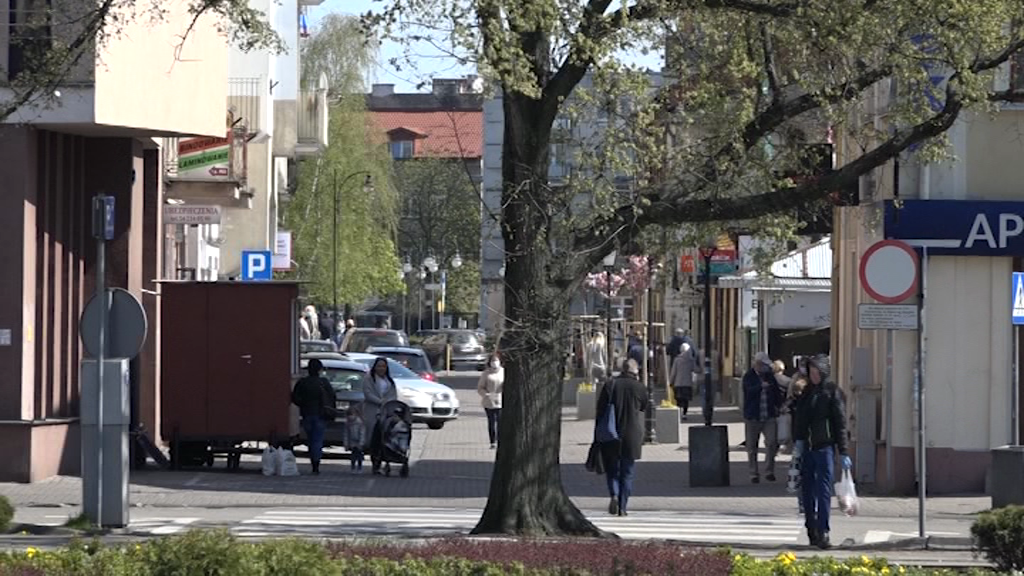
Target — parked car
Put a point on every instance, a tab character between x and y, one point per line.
414	359
323	356
316	346
467	349
360	339
432	403
346	377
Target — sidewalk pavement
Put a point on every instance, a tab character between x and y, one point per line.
452	467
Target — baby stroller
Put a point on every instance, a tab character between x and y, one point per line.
392	435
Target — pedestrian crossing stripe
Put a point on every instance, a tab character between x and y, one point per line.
1018	298
641	525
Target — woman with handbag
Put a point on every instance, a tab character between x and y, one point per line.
316	400
619	430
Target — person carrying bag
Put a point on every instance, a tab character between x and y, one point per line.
619	433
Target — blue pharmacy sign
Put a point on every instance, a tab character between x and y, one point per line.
958	227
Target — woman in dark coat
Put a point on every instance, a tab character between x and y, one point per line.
627	398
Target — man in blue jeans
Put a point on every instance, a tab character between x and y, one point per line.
819	430
627	398
316	400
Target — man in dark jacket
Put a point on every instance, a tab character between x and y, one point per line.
819	430
627	398
675	345
316	400
762	399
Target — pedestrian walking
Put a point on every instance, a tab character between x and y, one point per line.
325	328
622	404
309	324
820	431
794	485
597	361
675	345
681	375
489	387
762	398
355	428
785	427
316	400
378	388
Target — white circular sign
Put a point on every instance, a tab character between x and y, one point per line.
888	271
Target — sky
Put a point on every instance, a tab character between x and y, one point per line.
429	63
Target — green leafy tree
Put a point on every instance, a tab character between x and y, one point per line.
54	38
463	297
366	261
440	209
750	84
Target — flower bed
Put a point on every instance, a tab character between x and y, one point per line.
217	553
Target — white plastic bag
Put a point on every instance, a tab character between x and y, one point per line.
847	494
286	463
784	425
269	462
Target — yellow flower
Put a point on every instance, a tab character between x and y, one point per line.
903	570
885	570
865	560
31	552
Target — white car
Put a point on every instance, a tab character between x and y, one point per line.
432	403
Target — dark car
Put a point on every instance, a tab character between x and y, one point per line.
316	346
467	350
360	339
414	359
346	377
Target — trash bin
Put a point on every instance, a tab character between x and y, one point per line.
1007	472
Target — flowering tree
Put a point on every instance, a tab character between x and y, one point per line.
634	278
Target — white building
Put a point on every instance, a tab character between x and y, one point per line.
272	121
965	218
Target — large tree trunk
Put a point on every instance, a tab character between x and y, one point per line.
526	494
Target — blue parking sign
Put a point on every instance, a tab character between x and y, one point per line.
256	265
1017	312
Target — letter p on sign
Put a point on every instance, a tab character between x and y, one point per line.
256	265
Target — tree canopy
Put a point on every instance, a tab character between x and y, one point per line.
367	227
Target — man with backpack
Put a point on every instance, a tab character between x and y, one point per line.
619	430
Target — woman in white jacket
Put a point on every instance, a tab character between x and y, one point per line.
489	388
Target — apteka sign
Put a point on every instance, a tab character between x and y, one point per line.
958	227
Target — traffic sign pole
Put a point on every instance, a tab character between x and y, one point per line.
922	474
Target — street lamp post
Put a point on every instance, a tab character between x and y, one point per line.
707	252
652	435
406	268
609	262
422	275
430	265
456	263
368	188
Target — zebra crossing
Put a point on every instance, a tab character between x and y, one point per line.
161	526
425	522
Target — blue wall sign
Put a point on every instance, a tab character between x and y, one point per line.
1017	293
958	227
256	265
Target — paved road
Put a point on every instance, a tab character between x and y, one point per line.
448	487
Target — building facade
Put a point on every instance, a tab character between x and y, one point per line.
100	133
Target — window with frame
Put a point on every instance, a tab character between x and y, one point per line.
402	149
31	35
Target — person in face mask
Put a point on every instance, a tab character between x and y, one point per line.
489	387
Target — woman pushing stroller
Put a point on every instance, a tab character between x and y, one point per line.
378	389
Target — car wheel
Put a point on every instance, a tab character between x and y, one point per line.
435	425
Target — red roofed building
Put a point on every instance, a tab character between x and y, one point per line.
448	122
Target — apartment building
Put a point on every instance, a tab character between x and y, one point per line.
98	133
237	180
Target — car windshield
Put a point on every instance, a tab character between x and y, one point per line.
396	369
465	339
362	340
414	362
343	380
317	346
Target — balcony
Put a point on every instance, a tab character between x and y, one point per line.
301	126
247	101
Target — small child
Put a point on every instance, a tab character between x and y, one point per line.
356	431
793	485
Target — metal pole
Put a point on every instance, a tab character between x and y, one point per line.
1015	388
95	494
608	320
709	399
652	434
419	312
890	346
334	249
922	478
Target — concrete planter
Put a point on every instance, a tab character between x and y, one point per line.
666	425
586	405
569	388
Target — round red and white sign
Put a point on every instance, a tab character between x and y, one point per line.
888	271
